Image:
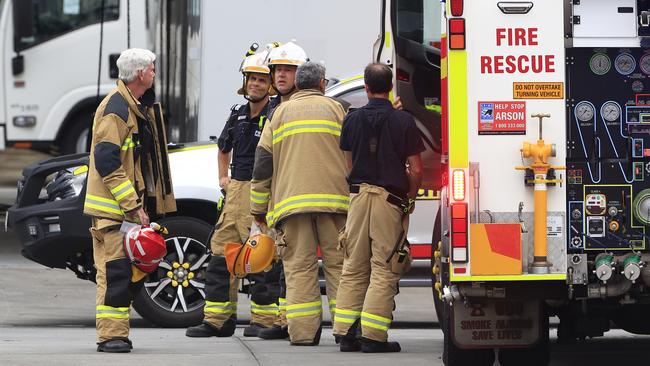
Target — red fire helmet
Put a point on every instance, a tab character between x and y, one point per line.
145	247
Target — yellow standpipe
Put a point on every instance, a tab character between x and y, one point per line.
540	152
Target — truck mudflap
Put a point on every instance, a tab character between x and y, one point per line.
496	323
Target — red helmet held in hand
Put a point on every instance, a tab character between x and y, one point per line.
145	247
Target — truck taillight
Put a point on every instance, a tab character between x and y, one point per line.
456	7
458	185
457	34
459	232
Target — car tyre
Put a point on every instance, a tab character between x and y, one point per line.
537	355
455	356
159	301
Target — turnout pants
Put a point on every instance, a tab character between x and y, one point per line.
368	286
115	291
300	235
220	286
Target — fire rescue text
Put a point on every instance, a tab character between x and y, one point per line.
523	64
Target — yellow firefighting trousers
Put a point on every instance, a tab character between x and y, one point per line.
300	236
221	288
115	291
368	286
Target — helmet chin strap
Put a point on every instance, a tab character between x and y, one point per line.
257	100
293	88
248	97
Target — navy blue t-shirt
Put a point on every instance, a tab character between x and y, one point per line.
380	139
241	135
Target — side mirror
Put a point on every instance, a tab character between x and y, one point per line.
17	65
23	24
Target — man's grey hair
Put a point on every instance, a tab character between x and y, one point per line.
309	75
133	60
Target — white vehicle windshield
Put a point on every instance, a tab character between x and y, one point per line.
53	18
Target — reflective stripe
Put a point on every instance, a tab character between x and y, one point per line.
269	218
123	190
264	309
309	200
80	170
375	321
104	311
260	197
332	306
102	204
306	126
458	107
304	309
227	307
346	316
128	143
282	304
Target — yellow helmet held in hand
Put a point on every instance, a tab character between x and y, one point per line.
253	257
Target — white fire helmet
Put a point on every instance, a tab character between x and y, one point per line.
287	54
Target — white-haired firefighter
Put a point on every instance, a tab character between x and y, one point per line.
128	181
237	144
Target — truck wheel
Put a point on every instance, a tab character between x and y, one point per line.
455	356
435	246
165	301
74	140
538	355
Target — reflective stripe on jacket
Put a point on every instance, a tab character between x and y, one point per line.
115	180
299	167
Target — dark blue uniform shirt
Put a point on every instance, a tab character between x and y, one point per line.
380	139
241	135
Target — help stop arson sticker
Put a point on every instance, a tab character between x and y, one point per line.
501	118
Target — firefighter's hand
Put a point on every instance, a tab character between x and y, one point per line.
142	216
260	219
397	103
223	182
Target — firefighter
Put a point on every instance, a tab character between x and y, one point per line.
126	183
283	61
382	146
299	180
239	138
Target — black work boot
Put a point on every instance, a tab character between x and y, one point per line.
208	330
315	342
275	332
115	345
350	342
253	330
372	346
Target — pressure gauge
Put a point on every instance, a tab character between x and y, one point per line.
585	111
610	111
600	64
645	64
637	86
625	64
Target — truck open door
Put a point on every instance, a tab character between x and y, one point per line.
409	41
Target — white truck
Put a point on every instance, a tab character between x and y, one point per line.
51	74
545	206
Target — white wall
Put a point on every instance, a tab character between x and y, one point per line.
339	32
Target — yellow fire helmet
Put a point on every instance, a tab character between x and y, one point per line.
253	257
254	63
287	54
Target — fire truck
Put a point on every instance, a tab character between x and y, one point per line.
545	156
